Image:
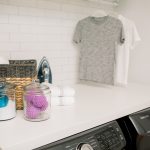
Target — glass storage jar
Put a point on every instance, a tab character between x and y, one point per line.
7	101
36	102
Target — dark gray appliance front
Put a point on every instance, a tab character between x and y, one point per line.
105	137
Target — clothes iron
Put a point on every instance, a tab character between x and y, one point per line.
44	71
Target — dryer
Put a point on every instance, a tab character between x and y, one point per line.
104	137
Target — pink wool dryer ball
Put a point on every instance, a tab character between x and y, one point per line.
32	112
44	107
29	96
29	103
40	101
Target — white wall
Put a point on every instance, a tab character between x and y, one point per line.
139	12
36	28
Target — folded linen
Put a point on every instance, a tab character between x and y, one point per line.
67	91
62	101
61	91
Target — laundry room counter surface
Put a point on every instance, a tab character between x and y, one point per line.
93	106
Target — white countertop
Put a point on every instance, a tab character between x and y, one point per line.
93	106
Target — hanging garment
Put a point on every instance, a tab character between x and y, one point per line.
97	37
123	51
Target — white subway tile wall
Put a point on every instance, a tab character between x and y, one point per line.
31	29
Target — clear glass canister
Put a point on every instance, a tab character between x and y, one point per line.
7	101
36	102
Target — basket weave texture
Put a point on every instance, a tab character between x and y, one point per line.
20	73
18	69
20	83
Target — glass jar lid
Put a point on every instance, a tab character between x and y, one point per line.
36	87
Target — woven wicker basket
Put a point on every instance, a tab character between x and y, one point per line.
18	69
20	83
20	73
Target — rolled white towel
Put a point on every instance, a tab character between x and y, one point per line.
61	91
67	91
62	101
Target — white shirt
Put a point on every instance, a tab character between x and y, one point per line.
123	51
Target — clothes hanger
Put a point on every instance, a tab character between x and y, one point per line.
99	13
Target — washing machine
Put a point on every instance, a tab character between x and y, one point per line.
136	129
104	137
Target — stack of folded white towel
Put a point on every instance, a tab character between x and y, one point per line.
62	95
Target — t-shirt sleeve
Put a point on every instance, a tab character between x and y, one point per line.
135	36
121	38
77	34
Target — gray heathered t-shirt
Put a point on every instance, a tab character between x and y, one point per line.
97	38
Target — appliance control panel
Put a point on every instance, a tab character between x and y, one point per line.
105	137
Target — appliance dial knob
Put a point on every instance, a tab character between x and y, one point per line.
84	146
